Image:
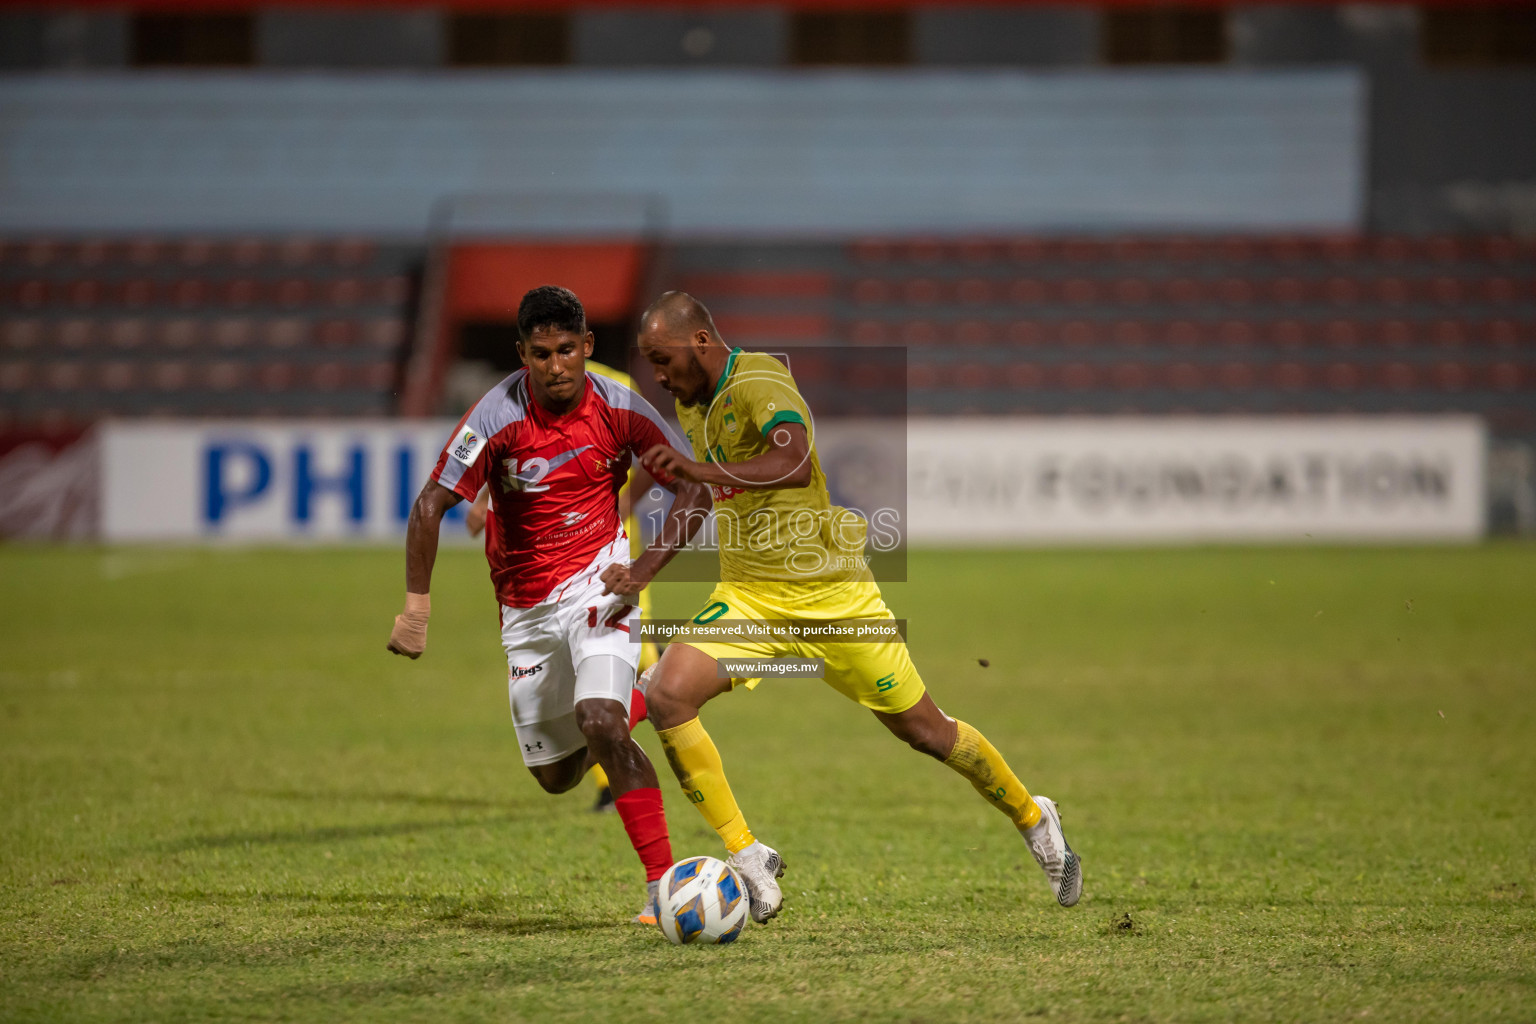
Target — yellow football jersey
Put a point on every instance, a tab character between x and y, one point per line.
793	539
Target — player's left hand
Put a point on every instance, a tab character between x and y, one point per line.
622	580
666	464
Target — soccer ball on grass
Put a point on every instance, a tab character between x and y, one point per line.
701	899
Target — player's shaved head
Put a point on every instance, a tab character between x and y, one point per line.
679	339
678	315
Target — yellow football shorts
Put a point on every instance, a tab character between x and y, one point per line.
879	676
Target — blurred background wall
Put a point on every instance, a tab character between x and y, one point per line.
1118	209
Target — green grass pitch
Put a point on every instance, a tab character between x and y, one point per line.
1302	781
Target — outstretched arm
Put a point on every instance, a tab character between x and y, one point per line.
786	464
409	637
690	507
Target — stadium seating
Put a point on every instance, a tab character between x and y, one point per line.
1148	325
284	327
195	327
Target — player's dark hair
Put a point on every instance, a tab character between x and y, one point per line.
552	307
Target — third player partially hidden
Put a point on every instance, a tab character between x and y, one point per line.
751	437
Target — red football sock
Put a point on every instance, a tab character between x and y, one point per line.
636	708
640	810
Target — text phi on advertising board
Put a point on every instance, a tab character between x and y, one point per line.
260	481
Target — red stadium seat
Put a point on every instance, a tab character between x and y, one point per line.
1342	376
127	332
136	293
1027	290
248	252
1448	334
1079	291
1399	376
1236	376
1506	376
277	376
1132	291
973	332
234	332
1079	333
31	294
190	292
21	334
1024	375
1184	333
86	292
920	332
117	375
381	376
921	291
869	332
287	332
974	291
171	375
329	376
241	292
1291	376
871	291
294	291
1130	376
353	252
1452	376
225	375
1185	376
1393	291
1342	291
1236	333
384	332
975	376
337	333
1131	334
923	375
195	252
1503	333
16	376
1396	333
1025	332
297	252
1079	376
1341	333
180	333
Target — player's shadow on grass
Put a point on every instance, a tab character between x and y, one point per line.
373	797
433	911
331	834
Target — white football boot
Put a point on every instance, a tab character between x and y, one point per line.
1063	871
760	867
650	911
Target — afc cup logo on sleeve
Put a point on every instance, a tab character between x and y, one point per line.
465	447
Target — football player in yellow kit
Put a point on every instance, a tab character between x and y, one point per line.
788	553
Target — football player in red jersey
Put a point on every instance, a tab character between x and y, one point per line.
554	443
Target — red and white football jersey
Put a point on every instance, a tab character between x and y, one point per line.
554	479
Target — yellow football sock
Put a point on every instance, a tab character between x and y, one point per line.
598	776
696	763
985	769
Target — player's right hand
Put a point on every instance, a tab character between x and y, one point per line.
474	520
409	637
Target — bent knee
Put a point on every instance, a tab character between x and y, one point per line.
556	778
602	721
935	746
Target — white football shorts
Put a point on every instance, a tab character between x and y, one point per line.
545	645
